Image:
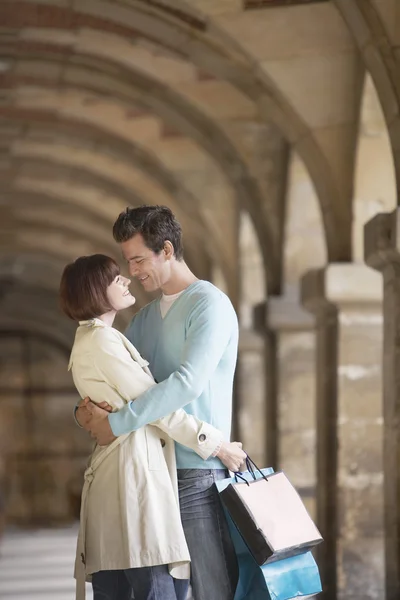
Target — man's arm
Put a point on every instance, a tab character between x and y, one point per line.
115	365
210	328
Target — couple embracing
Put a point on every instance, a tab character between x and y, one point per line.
158	401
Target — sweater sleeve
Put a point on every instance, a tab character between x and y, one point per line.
209	330
116	366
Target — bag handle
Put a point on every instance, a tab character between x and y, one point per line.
250	464
240	476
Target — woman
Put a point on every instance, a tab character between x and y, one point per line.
130	527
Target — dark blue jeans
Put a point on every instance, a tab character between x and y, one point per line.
146	583
214	569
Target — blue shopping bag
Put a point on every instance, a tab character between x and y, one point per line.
294	577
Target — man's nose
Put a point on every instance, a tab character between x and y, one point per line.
133	270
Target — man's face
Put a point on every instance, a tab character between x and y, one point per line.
150	269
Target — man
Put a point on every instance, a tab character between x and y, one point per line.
190	337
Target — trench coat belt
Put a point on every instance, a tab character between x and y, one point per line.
81	550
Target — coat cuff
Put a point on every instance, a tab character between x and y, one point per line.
209	441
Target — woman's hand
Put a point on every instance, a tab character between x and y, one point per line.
232	456
105	406
83	415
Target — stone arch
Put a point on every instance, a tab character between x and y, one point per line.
365	22
375	177
226	60
201	129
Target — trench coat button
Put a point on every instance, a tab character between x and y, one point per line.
162	442
202	437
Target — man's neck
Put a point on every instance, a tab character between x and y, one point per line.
181	278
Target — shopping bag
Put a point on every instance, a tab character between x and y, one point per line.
270	515
295	577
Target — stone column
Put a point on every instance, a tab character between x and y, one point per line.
270	383
294	330
314	299
382	252
250	388
285	346
346	301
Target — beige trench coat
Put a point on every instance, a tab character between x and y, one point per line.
130	509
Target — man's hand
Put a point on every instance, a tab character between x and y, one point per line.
232	455
98	424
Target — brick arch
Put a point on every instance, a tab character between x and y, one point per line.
72	134
99	233
19	327
37	242
18	120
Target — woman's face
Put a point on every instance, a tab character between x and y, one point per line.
118	293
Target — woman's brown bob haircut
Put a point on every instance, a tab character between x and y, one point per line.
83	287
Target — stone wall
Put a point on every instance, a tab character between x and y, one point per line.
43	451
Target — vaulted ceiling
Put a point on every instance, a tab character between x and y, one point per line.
193	104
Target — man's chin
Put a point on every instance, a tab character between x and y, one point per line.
149	286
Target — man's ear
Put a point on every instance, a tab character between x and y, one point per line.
168	250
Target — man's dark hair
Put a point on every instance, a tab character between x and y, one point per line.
156	224
83	286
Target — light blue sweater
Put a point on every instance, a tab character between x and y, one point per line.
192	352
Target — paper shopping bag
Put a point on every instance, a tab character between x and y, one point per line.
270	516
295	577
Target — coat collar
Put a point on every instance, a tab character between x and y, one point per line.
92	323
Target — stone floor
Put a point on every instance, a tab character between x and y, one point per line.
38	565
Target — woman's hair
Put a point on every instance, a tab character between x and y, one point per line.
83	286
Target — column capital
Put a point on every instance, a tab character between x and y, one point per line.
340	285
382	240
282	313
313	291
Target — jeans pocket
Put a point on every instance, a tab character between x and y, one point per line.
197	481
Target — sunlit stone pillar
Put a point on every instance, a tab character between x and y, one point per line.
382	252
250	387
346	301
294	329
